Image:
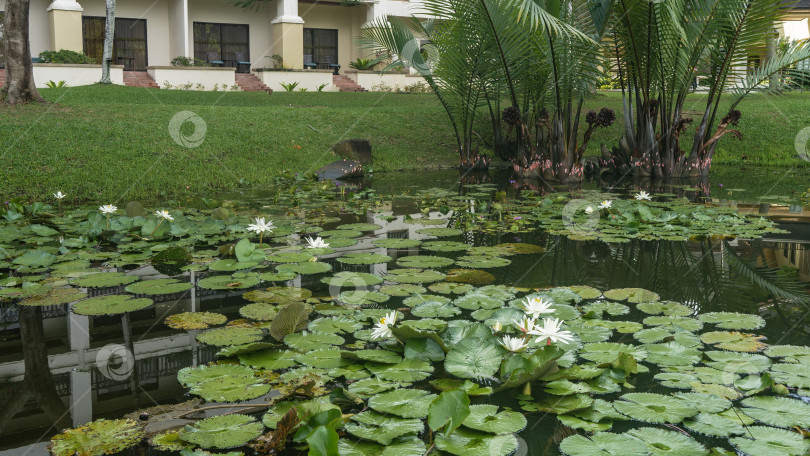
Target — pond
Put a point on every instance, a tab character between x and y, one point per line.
687	312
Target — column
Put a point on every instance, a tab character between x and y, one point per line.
288	34
65	19
81	397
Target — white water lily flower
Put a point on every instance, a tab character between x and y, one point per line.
107	209
550	332
59	195
526	325
606	204
589	210
642	195
513	344
260	226
390	318
317	243
164	215
381	331
536	306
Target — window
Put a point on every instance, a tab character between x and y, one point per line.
129	44
321	46
227	43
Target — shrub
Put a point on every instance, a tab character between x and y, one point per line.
66	56
188	61
289	86
363	64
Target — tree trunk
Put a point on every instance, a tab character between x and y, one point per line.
109	36
37	373
770	46
19	87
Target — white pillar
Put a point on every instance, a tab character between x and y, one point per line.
81	397
287	12
78	331
65	23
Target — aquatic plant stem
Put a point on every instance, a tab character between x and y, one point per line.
156	228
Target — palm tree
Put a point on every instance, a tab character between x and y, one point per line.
659	47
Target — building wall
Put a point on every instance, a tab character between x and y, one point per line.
260	29
39	26
346	19
156	13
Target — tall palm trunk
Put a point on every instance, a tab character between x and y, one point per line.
109	36
19	87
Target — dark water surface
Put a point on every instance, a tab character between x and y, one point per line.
90	373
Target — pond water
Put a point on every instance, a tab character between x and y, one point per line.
87	355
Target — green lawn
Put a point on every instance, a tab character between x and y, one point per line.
113	143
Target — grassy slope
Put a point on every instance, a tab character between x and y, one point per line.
113	143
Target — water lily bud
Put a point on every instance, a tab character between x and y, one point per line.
780	389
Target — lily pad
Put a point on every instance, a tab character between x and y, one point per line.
395	243
222	432
194	320
768	441
158	287
732	320
661	442
364	258
110	305
486	418
408	275
424	261
654	408
603	444
474	358
104	279
232	388
635	295
352	279
232	335
440	232
734	341
259	311
97	438
406	371
382	428
54	297
465	442
278	295
305	268
778	411
406	403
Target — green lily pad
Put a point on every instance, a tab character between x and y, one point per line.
435	309
381	428
445	246
795	375
278	295
290	257
231	265
669	308
474	358
607	352
371	386
406	371
713	425
110	305
259	311
672	354
475	301
734	341
733	320
232	335
424	261
486	418
406	403
227	282
603	444
305	268
482	262
768	441
778	411
654	408
352	279
268	359
194	320
635	295
158	287
53	297
661	442
395	243
465	442
189	376
360	227
104	279
364	258
232	388
440	232
97	438
409	275
222	432
405	289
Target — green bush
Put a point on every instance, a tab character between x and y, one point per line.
66	56
363	64
188	61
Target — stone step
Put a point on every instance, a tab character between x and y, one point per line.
345	84
251	83
139	79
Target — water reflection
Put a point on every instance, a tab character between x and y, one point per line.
61	369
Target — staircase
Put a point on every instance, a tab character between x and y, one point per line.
139	79
2	78
345	84
250	83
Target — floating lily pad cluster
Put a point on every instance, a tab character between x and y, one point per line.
711	377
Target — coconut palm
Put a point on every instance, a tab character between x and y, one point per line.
660	47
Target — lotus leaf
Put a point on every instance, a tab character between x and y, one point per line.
409	275
474	358
168	441
233	335
226	282
673	322
370	425
603	444
672	354
795	375
475	301
451	288
340	234
708	403
607	352
97	438
470	276
338	243
482	262
440	232
654	408
305	409
424	261
110	305
435	309
158	287
405	371
104	279
734	341
612	308
412	447
360	227
669	308
423	349
736	362
485	417
259	311
713	425
290	257
291	317
635	295
395	243
732	320
402	290
277	276
312	341
371	386
364	258
188	376
334	325
194	320
35	259
768	441
661	442
778	411
445	246
222	432
585	292
54	297
407	403
232	388
787	351
268	359
278	295
559	404
305	268
231	265
353	279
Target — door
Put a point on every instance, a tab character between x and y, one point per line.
129	45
